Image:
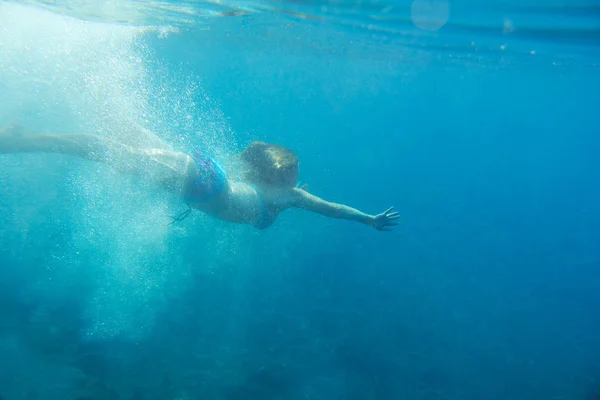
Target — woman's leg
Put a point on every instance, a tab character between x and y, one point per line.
162	168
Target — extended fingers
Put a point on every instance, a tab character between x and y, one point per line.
302	186
389	216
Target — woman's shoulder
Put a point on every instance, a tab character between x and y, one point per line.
270	195
281	197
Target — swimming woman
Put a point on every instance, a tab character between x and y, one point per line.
268	185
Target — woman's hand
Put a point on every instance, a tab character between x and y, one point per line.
383	221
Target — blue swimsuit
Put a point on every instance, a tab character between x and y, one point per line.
210	181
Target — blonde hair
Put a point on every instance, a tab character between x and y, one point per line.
270	164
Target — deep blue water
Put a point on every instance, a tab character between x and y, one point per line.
484	139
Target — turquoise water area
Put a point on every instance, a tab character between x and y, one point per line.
477	121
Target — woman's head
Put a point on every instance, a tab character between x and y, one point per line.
270	164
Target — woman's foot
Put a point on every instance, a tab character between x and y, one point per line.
13	129
12	138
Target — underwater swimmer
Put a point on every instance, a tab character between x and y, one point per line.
267	188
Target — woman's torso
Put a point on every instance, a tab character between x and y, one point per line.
242	203
209	190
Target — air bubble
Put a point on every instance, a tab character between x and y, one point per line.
430	15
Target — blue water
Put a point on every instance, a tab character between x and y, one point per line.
478	123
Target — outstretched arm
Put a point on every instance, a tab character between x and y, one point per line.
306	201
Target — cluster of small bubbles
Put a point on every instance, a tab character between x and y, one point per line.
94	78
